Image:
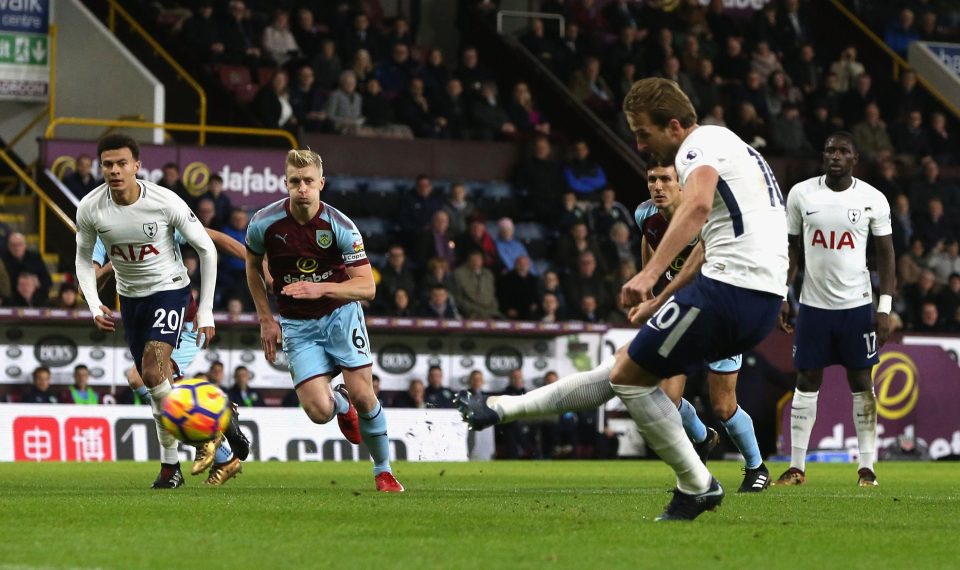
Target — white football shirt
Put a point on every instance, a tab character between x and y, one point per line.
835	226
745	237
139	240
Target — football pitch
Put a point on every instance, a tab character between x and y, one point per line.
472	515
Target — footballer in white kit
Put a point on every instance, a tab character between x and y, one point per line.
136	221
829	219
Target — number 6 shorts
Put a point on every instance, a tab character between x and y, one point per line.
324	346
704	322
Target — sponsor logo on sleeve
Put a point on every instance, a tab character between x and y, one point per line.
692	155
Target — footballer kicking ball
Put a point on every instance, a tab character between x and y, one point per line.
195	411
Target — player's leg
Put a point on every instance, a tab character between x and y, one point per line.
349	346
704	439
581	391
859	354
136	384
722	383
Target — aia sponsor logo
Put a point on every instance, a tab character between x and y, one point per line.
833	240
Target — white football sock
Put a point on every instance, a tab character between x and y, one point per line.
865	420
803	414
576	392
168	443
659	423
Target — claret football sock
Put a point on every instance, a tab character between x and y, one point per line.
695	429
659	423
865	421
803	414
740	429
373	429
573	393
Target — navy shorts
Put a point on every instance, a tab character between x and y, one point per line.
844	336
155	317
703	322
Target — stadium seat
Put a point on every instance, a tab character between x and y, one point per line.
346	193
535	237
246	93
377	235
234	77
498	200
265	75
383	195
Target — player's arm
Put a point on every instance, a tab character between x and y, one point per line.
691	267
87	276
794	252
882	230
227	244
195	234
269	329
698	191
646	252
359	286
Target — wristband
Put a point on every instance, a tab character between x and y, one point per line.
883	305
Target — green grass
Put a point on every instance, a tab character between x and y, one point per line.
471	515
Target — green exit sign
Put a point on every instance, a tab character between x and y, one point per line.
24	49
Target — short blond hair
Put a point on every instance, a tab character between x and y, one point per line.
302	158
662	100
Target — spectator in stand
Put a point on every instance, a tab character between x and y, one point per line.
588	280
902	226
571	212
671	70
536	41
362	67
18	259
707	87
215	374
202	33
415	111
345	106
764	61
576	242
471	74
400	305
767	28
949	299
583	175
309	102
588	310
624	81
278	41
847	69
754	91
888	182
660	48
206	212
902	33
437	240
855	100
232	278
589	15
453	107
241	393
395	274
514	438
438	305
413	397
542	178
235	308
327	66
418	206
509	249
929	320
458	208
437	395
934	226
929	185
490	120
573	51
943	260
912	141
309	36
805	72
222	206
930	31
623	14
524	115
819	126
81	392
692	56
750	126
871	136
170	179
943	146
830	97
780	92
517	291
27	292
551	285
721	24
273	104
588	86
241	42
379	115
396	72
40	392
906	98
397	34
478	238
795	27
549	309
627	49
915	295
786	133
67	297
475	288
434	74
437	275
910	265
733	65
82	181
617	247
359	37
608	212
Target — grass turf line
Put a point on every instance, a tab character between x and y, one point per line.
471	515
